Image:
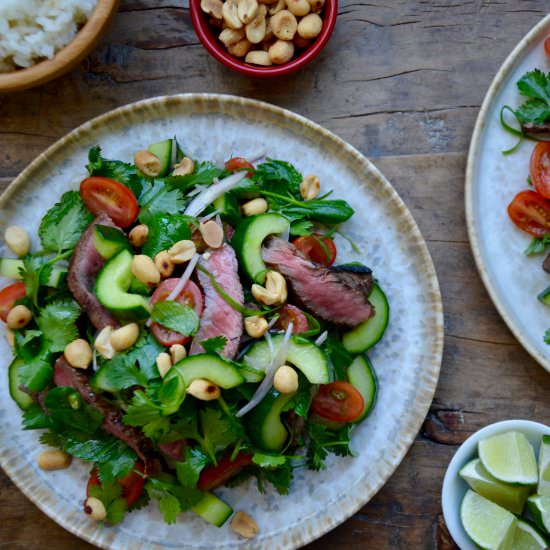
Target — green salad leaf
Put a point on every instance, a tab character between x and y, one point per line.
175	316
323	441
214	345
189	470
537	246
68	411
57	321
204	174
110	494
279	176
164	231
158	198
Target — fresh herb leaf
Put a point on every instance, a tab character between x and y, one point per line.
63	225
214	345
268	461
323	441
34	418
175	316
57	323
535	84
340	357
52	439
280	478
301	228
537	245
110	494
37	371
189	470
218	431
279	176
159	199
164	231
141	410
121	372
547	336
67	409
170	508
204	174
534	111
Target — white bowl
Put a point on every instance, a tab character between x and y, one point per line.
454	487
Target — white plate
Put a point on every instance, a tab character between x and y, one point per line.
407	360
492	180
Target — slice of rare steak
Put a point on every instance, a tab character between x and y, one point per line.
218	317
336	294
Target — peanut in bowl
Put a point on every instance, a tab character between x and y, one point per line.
275	40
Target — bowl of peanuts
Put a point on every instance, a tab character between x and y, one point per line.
264	38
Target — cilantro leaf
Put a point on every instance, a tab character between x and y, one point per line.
301	228
280	478
547	336
268	461
52	439
279	176
110	494
176	317
218	431
37	371
34	418
141	410
57	323
164	231
67	410
535	84
189	470
63	225
120	373
537	245
173	498
214	345
158	198
533	111
169	507
204	174
323	441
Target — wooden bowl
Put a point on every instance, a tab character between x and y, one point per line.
66	58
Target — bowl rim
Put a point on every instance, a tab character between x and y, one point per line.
210	42
68	56
451	494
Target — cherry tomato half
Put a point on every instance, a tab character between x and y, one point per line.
132	483
108	196
317	249
530	212
539	168
238	163
338	401
8	295
190	296
547	46
214	476
289	313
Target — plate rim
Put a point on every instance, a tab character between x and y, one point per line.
472	163
430	377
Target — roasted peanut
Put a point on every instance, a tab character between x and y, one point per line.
284	25
18	317
255	30
229	37
103	344
281	52
18	240
144	269
310	187
177	353
164	363
310	26
276	8
298	7
276	284
286	379
124	337
244	525
213	8
240	49
203	390
164	263
78	353
54	460
268	31
95	508
247	10
266	1
231	15
262	58
184	167
255	326
212	233
138	235
147	163
182	251
259	205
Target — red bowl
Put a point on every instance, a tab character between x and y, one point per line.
205	32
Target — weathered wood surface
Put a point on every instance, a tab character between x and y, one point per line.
401	80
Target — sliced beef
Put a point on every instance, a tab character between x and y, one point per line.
336	294
546	264
83	269
541	131
65	375
218	317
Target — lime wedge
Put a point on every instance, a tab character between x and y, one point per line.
510	458
489	525
527	537
544	467
539	507
511	497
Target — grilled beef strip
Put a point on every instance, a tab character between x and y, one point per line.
336	294
83	269
65	375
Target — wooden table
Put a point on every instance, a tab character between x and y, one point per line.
401	80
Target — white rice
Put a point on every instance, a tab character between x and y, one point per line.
31	30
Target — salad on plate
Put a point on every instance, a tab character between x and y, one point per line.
185	326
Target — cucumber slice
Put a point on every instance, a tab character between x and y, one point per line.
228	209
367	334
304	355
264	422
9	267
23	400
112	286
57	276
109	241
363	378
137	287
544	296
163	150
212	509
248	240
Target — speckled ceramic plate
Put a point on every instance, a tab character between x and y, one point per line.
407	360
492	181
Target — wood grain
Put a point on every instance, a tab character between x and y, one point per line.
402	81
